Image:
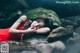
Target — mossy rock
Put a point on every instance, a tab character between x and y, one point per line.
32	14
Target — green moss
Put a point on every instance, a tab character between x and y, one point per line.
32	14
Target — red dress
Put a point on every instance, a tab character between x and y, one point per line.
6	36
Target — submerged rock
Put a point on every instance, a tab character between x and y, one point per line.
54	47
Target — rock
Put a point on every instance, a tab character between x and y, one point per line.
32	14
60	33
28	52
66	22
72	20
51	47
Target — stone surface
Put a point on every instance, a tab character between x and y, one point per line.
60	32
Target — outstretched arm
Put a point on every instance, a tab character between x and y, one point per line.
43	30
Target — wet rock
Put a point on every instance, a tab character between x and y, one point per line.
66	22
60	33
72	20
71	41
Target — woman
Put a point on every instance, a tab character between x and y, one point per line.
39	25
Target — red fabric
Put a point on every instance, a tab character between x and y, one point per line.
5	35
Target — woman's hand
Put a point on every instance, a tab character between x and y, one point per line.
30	30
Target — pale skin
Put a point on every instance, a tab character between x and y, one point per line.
31	29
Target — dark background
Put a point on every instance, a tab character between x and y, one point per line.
10	7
